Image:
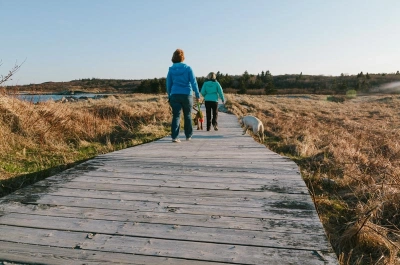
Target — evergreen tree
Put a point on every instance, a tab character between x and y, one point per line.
343	87
144	87
163	84
258	83
226	81
246	76
242	87
155	86
300	76
200	82
269	87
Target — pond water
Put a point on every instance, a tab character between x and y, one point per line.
45	97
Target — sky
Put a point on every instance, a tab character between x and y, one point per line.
60	41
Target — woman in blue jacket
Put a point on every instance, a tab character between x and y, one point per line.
181	82
211	91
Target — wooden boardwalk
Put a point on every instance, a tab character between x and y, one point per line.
221	198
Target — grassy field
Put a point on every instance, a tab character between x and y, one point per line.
349	156
40	140
348	152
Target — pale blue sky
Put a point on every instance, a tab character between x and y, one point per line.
63	40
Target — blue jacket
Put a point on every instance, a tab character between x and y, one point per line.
181	80
211	90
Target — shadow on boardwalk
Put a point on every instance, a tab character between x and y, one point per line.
221	198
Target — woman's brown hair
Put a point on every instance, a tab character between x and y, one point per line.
178	56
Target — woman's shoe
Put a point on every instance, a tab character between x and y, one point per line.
176	140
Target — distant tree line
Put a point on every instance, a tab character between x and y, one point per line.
261	83
266	83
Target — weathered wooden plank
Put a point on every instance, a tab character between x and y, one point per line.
163	168
229	185
262	191
171	218
38	254
198	176
237	167
228	253
276	200
225	210
222	158
238	152
218	172
242	163
173	232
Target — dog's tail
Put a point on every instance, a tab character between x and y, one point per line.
261	131
261	128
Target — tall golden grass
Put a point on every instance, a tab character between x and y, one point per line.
50	135
349	152
349	155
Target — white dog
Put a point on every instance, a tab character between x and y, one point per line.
255	124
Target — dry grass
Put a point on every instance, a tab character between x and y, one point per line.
349	155
35	138
349	152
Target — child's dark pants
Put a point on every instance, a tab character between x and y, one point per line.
211	106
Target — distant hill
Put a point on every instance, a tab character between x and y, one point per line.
93	85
